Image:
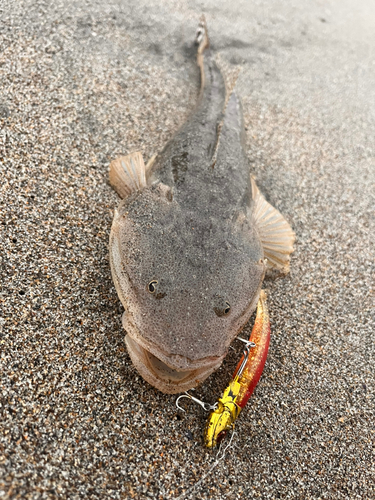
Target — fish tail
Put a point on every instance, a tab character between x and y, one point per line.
214	65
203	42
201	36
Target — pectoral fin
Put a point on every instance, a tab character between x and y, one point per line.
127	174
276	235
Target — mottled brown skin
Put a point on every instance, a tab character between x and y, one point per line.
192	231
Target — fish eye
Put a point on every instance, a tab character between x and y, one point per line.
152	286
222	310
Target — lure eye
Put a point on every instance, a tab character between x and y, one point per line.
152	286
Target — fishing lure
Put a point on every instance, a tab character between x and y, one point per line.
245	378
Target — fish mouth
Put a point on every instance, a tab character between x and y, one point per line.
170	379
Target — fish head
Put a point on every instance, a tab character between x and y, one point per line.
188	282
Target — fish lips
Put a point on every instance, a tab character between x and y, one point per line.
172	374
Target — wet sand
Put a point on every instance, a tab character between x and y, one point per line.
83	82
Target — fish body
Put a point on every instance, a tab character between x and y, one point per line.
191	241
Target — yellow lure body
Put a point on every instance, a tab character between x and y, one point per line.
222	419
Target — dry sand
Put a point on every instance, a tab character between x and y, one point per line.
82	82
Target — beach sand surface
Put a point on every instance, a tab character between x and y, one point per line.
84	82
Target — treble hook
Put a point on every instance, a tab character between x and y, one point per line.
246	352
205	406
247	342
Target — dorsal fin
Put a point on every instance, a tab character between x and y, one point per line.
230	80
127	174
276	235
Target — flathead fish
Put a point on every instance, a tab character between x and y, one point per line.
192	240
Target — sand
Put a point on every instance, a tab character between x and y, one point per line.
81	83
